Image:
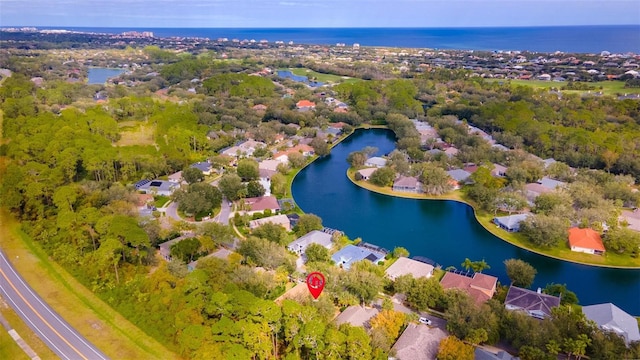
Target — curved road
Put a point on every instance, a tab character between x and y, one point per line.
61	338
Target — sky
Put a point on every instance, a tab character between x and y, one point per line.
316	13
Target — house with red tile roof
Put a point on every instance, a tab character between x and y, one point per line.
586	241
304	105
480	287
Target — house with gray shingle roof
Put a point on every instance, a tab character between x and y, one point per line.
376	161
611	318
356	315
418	342
510	223
459	175
300	245
351	253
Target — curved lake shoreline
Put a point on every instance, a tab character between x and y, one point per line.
454	196
446	231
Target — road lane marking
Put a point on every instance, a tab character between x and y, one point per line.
26	318
50	311
40	316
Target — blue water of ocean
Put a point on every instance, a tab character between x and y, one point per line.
577	39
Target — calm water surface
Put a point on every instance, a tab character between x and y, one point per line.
445	231
98	75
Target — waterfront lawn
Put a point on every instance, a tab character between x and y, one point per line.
323	78
562	251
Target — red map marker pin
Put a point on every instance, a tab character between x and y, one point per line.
315	283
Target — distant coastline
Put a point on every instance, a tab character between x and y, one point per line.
548	39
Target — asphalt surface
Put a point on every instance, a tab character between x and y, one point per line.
61	338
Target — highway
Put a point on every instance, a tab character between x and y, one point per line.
61	338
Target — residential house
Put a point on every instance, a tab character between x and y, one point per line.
144	203
586	241
176	177
550	183
406	266
203	166
221	253
262	203
407	184
356	315
165	247
470	168
534	303
270	164
547	162
366	173
499	170
300	245
157	187
244	149
510	223
451	151
459	175
480	287
281	220
375	161
611	318
351	253
533	190
259	107
483	354
418	342
305	105
632	219
283	156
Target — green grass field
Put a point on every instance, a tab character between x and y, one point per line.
607	87
325	78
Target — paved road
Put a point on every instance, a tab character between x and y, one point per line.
61	338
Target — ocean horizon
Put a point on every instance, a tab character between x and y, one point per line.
570	39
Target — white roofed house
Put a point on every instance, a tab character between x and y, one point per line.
300	245
611	318
406	266
376	161
366	173
157	187
510	223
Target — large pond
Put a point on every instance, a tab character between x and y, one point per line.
299	78
99	75
445	231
